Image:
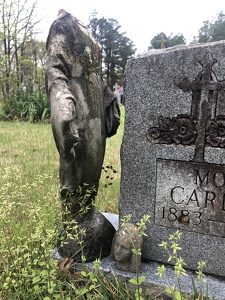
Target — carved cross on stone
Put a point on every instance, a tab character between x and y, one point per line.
204	96
192	129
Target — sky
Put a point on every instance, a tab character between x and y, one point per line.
141	19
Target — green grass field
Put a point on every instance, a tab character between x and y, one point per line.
28	155
31	209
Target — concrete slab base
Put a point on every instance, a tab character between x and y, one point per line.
216	285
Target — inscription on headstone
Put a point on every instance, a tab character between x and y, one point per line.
173	157
190	196
197	201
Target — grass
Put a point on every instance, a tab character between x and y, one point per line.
30	221
109	188
28	150
31	209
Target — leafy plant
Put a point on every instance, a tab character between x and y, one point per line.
27	270
172	247
31	218
30	104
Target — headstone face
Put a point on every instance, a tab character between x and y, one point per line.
173	151
126	242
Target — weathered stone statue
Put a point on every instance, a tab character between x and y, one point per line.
83	113
126	241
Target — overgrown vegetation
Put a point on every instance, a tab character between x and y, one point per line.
31	214
172	248
31	221
29	105
22	57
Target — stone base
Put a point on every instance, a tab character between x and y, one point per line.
154	284
96	242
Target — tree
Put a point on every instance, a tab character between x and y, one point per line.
212	31
158	42
115	47
32	63
161	41
16	32
176	40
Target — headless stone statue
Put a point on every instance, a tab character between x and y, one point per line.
127	239
81	108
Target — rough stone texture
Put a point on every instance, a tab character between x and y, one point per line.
172	155
80	102
96	242
127	239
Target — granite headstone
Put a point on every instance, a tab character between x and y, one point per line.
173	151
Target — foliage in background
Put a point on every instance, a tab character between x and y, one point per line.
214	30
211	31
109	185
22	59
116	48
29	105
20	54
161	41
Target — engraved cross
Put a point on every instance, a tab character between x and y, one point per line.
204	89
